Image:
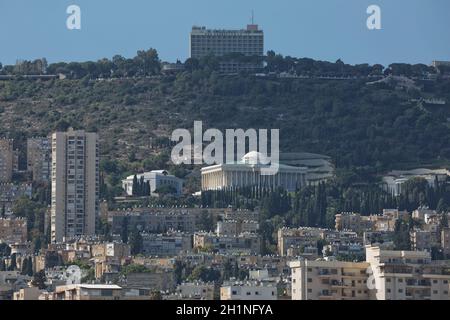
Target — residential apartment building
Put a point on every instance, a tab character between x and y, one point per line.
250	290
31	293
408	275
356	222
235	227
111	249
196	291
155	220
301	238
248	42
385	275
75	184
168	244
421	240
10	192
10	282
329	280
158	279
39	152
249	243
6	160
97	292
13	230
383	239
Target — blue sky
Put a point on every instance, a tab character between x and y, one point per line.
413	30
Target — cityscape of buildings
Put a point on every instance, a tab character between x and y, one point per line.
130	247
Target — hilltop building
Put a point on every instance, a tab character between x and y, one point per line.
248	42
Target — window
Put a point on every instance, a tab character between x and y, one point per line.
400	290
309	290
400	280
388	280
107	293
309	280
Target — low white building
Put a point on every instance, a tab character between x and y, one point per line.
156	180
394	180
251	290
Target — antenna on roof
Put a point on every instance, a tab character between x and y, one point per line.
253	17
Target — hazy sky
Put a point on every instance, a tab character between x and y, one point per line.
413	30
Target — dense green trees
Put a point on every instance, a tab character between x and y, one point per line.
316	206
141	188
39	280
147	63
205	274
206	221
27	266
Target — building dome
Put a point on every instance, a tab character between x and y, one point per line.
255	158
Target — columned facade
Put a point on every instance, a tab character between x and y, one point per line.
241	175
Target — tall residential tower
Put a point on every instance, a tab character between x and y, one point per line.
75	184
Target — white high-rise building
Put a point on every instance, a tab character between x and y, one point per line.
248	42
75	184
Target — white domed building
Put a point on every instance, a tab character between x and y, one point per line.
250	172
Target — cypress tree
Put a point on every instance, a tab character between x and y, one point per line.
2	265
135	185
30	267
124	230
13	265
24	266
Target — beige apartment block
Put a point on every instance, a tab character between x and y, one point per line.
408	275
386	275
75	184
329	280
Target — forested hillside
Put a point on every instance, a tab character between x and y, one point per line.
374	127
